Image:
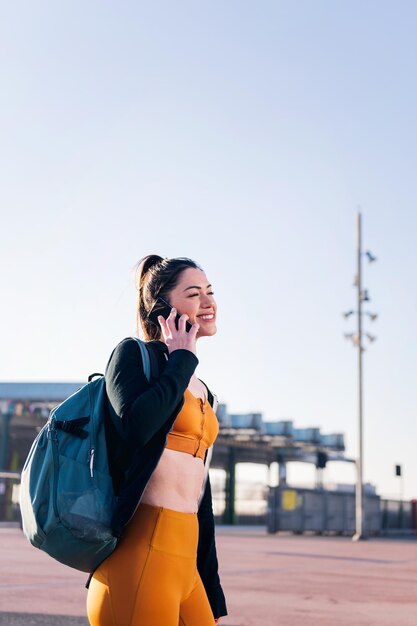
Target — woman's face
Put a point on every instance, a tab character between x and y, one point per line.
194	295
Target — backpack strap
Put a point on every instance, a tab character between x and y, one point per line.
149	359
145	358
154	362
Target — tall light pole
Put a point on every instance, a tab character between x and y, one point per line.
359	526
362	296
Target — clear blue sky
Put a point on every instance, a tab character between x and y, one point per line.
243	135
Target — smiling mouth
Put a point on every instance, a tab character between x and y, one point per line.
206	318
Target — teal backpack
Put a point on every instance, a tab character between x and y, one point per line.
66	491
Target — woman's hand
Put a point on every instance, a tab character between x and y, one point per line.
178	339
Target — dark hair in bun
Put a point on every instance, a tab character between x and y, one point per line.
156	276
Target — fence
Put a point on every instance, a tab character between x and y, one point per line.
321	511
398	515
288	509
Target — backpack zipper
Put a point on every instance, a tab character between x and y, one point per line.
92	452
93	436
53	437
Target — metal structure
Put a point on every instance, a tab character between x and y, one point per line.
243	438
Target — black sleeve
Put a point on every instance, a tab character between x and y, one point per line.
143	407
207	563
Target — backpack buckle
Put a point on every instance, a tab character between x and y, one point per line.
74	427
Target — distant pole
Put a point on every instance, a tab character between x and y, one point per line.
4	441
362	296
359	531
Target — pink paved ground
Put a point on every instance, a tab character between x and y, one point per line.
269	580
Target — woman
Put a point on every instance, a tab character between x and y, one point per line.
164	571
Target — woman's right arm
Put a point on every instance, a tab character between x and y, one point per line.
144	408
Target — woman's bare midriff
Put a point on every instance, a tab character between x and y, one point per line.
175	482
177	479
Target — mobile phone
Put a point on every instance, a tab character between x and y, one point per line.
162	307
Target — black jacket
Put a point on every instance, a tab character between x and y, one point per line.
140	415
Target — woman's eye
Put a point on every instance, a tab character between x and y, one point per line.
210	293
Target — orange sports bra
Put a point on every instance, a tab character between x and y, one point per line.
195	428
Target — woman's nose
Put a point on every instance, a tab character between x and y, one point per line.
208	301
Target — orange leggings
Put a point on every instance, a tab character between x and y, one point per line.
151	579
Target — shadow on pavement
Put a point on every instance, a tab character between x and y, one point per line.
32	619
